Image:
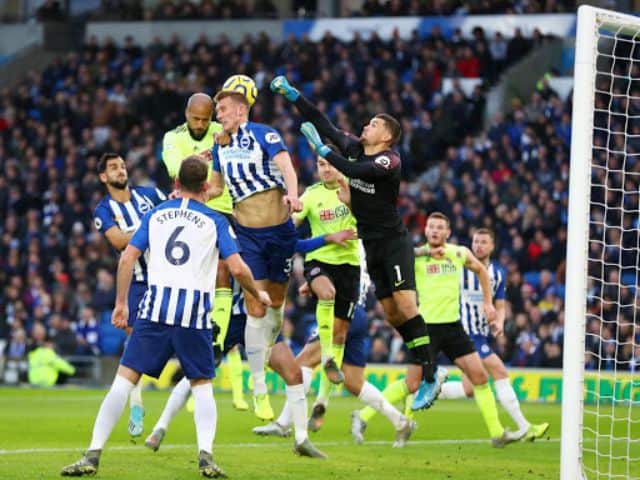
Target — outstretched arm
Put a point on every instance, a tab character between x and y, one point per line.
382	166
311	113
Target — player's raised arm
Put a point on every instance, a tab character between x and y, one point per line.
382	166
476	266
311	113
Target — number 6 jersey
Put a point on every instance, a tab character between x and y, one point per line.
185	239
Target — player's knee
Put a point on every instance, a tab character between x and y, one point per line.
326	293
292	375
478	377
353	385
256	309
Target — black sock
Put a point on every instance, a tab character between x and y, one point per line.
416	336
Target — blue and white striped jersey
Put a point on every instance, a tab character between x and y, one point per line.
127	217
238	306
247	163
471	311
185	239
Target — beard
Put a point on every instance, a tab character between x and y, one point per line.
119	185
196	136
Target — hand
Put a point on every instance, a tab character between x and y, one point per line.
437	253
304	290
120	316
281	85
344	193
175	194
341	237
489	311
294	203
313	137
497	328
264	298
206	154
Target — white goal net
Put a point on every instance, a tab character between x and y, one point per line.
601	407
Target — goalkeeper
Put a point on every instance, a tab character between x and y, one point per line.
195	136
374	186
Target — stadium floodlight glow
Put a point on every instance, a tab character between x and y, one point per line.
601	436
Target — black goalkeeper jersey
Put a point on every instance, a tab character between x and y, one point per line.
374	180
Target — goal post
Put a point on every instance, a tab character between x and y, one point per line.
602	439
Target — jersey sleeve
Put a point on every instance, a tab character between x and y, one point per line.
500	289
103	219
271	141
227	240
215	159
159	196
140	238
384	165
171	154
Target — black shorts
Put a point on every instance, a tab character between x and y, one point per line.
450	339
391	264
345	279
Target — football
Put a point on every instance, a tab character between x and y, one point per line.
241	84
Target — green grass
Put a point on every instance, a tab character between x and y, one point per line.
42	430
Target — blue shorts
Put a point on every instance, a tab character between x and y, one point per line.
235	334
152	344
268	251
481	342
136	292
356	348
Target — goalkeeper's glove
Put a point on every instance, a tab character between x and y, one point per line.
281	85
313	137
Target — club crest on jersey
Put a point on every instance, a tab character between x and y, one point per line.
383	161
144	207
245	142
272	137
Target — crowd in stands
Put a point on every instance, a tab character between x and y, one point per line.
58	272
52	10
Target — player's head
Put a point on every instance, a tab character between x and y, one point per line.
438	229
483	243
198	114
112	171
192	177
232	110
382	129
327	172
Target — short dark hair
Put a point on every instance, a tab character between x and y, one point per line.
104	159
440	216
193	173
486	231
392	125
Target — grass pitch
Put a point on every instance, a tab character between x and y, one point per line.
43	430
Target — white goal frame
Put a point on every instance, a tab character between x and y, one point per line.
571	466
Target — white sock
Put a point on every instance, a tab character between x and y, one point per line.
298	406
452	390
256	350
205	415
373	397
285	415
110	411
273	323
307	376
507	397
135	397
176	401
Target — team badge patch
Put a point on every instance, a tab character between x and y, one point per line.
383	161
272	137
